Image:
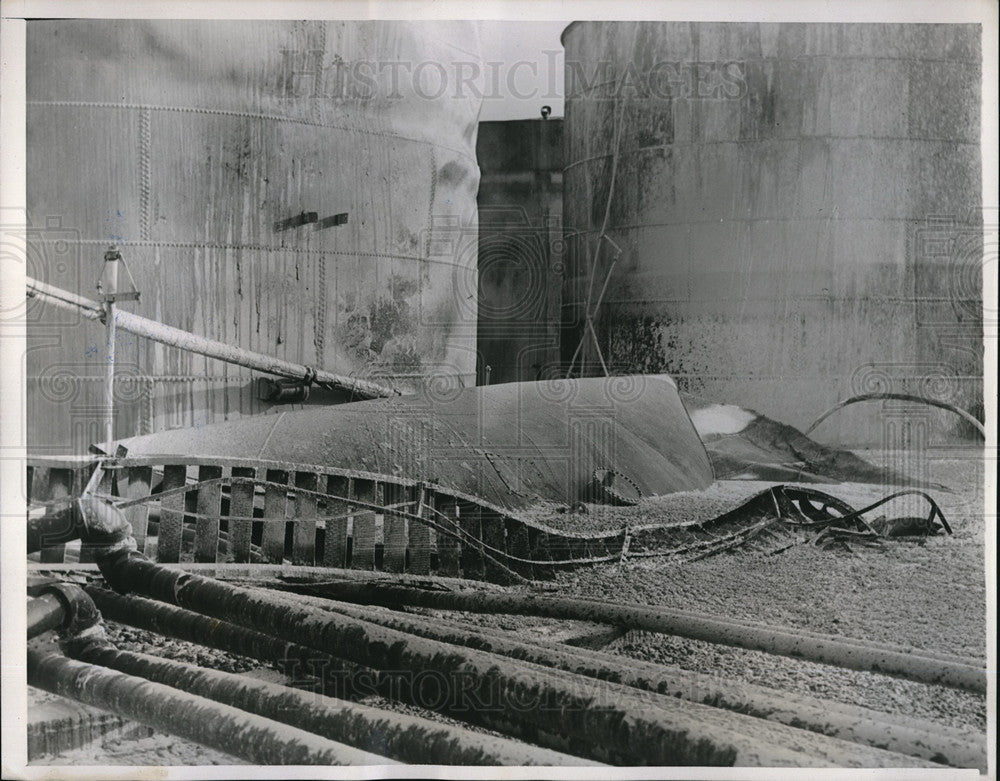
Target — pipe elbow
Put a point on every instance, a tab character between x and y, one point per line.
105	528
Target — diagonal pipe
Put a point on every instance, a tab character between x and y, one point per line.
601	720
853	654
250	736
184	340
256	739
916	737
401	737
397	736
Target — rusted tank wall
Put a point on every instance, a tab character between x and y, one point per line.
797	206
520	249
185	142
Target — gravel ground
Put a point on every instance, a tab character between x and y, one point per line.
141	641
927	593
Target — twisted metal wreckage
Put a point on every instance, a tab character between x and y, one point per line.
305	506
441	485
444	494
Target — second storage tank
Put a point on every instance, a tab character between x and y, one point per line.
796	205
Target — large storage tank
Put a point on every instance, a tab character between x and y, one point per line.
798	209
186	143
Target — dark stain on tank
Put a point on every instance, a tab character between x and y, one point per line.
451	173
391	316
240	155
758	114
402	287
636	344
659	129
399	356
646	344
388	317
407	241
384	334
355	334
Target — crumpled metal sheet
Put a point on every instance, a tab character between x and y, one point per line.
513	444
745	445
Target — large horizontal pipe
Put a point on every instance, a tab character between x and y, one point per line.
852	654
325	589
253	738
184	340
446	743
335	674
212	632
399	736
588	716
64	606
916	737
64	299
45	612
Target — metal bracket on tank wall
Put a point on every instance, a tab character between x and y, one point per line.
303	218
114	255
282	391
332	220
310	218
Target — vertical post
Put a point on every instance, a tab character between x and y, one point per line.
110	278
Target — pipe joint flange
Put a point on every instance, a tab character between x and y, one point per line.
80	612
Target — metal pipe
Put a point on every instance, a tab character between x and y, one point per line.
64	299
111	258
258	740
557	709
175	337
336	676
916	737
852	654
325	590
900	397
399	736
63	606
67	606
44	613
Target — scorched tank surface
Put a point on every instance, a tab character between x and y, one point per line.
220	158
